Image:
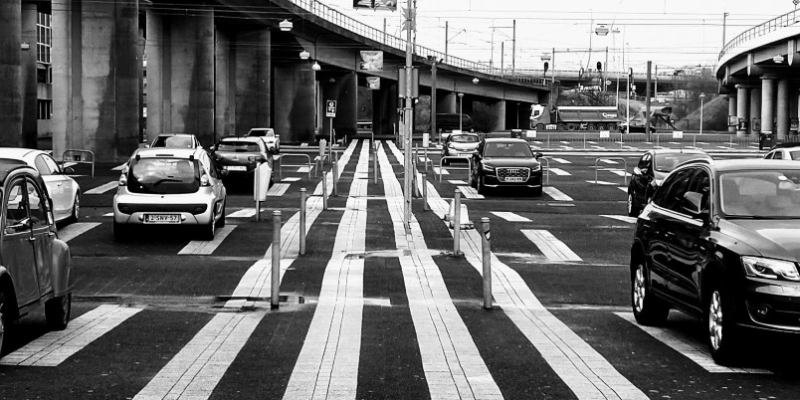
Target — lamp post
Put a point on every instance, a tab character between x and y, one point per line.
702	98
460	111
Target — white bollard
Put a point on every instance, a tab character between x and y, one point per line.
457	223
302	221
487	264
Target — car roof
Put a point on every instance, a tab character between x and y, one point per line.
752	163
505	140
678	151
174	152
262	129
785	145
17	152
252	139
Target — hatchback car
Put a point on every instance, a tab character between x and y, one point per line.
270	138
506	162
720	241
36	268
176	140
240	156
649	173
170	187
66	193
785	151
460	145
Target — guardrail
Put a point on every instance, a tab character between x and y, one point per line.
780	22
77	156
625	163
284	155
441	168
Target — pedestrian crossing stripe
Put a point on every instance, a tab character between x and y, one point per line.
208	246
244	213
623	218
559	171
552	248
290	179
470	192
561	160
303	169
623	188
620	172
103	188
111	214
440	171
604	183
608	161
511	217
74	230
457	182
556	194
278	189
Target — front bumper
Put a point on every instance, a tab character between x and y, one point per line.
771	306
491	179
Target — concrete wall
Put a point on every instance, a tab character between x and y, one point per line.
30	106
10	73
294	108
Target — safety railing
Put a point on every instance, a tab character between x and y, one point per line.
442	168
624	163
78	156
780	22
279	159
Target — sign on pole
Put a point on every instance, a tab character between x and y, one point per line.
677	134
605	134
330	108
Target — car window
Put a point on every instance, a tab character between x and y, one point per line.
42	166
761	194
769	155
666	162
670	194
52	164
464	139
778	155
795	155
37	205
241	147
701	183
163	176
16	208
503	149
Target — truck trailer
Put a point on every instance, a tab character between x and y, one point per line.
575	118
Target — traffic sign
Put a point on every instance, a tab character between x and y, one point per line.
330	108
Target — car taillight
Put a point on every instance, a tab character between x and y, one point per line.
204	181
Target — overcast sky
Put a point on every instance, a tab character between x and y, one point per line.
671	33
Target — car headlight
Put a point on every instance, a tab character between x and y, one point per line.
536	168
451	146
488	168
770	268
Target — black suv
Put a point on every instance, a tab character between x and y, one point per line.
720	241
504	162
649	173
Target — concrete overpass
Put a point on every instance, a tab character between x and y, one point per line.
220	68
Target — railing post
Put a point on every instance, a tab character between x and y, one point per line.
457	223
487	264
274	297
302	221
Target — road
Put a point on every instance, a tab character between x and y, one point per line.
369	312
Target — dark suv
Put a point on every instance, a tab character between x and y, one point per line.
720	241
505	162
650	171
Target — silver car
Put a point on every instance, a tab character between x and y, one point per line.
170	187
177	140
271	139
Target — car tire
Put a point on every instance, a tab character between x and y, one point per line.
221	222
633	211
647	309
445	163
723	336
481	185
207	230
537	192
76	208
121	232
57	312
4	317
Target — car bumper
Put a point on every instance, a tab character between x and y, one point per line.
769	306
458	153
533	181
139	209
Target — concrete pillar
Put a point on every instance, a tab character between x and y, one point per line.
754	108
500	112
224	89
347	105
384	109
782	112
447	104
96	77
30	106
732	111
767	103
11	72
295	103
251	54
742	108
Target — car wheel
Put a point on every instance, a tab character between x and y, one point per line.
537	191
722	333
221	222
647	309
633	211
57	311
207	230
76	208
4	319
445	162
481	185
120	231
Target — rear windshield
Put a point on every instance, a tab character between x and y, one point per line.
464	139
173	141
668	162
262	133
507	150
163	176
239	147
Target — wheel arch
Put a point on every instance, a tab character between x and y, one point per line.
63	277
7	286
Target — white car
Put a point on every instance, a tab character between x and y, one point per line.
784	152
170	187
66	193
268	135
176	140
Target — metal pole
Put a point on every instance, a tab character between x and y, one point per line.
280	165
302	221
375	165
628	112
701	115
425	191
487	264
274	297
335	172
330	143
407	116
457	223
324	191
256	191
514	49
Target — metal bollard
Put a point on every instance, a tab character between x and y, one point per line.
375	163
280	166
256	191
425	191
324	191
487	264
274	297
302	221
335	173
457	223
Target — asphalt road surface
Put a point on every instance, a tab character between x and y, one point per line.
369	312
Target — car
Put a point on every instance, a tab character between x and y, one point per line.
650	171
460	145
170	187
36	269
719	241
240	156
66	193
506	162
176	140
448	123
784	151
271	139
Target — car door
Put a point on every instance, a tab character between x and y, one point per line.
476	162
59	185
17	245
41	234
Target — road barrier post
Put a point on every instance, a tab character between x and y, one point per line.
274	297
375	164
487	264
302	221
425	191
335	172
257	190
324	191
279	159
457	223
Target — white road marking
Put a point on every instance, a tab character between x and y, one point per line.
111	214
561	160
608	161
440	171
72	231
623	188
69	164
511	217
55	347
208	246
552	248
604	183
457	182
565	142
620	172
304	169
556	194
675	143
103	188
291	179
623	218
244	213
470	192
560	172
119	167
688	347
278	189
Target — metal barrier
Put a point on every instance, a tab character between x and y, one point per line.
625	163
77	156
548	167
469	165
284	155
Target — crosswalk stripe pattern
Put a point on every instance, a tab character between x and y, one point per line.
556	194
74	230
552	248
453	366
196	247
103	188
561	160
511	217
278	189
244	213
457	182
604	183
623	218
440	171
608	161
53	348
620	172
303	170
470	192
623	188
559	172
291	179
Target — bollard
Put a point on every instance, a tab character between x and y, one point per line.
425	191
457	223
375	163
335	173
414	181
302	221
256	191
280	166
324	191
274	297
487	264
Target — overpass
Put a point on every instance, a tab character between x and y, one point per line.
219	68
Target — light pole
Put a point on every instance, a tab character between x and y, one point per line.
460	111
702	98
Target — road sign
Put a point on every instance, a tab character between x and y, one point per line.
677	134
330	108
605	134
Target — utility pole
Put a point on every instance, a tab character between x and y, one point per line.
434	130
446	39
514	49
724	23
407	115
647	101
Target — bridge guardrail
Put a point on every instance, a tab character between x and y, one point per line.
782	21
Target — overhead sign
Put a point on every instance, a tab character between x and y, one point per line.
605	134
371	60
390	5
330	108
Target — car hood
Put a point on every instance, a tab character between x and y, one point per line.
779	239
511	162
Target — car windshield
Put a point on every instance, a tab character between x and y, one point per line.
667	162
508	149
761	194
163	176
464	139
239	147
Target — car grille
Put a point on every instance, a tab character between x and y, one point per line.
130	208
503	173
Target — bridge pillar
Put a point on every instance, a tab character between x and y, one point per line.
30	107
767	103
385	105
499	109
11	72
296	103
732	111
742	103
782	112
97	73
447	104
754	108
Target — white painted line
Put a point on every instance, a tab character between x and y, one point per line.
72	231
623	218
556	194
561	160
608	161
565	142
675	143
103	188
278	189
623	188
537	142
566	147
290	179
243	213
457	182
552	248
424	159
591	142
440	171
111	214
620	172
560	172
208	246
511	217
119	167
702	143
604	183
69	164
304	169
688	347
470	192
55	347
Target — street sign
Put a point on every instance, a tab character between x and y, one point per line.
605	134
330	108
530	134
677	134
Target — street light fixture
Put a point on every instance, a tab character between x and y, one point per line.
316	66
304	55
460	111
475	80
702	98
286	25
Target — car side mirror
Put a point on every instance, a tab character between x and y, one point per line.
224	173
68	171
538	155
692	203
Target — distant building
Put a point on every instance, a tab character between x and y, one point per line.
44	74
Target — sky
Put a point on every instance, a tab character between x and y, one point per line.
670	33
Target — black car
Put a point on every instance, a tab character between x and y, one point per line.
720	241
240	156
649	173
506	162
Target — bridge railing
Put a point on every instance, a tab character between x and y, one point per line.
783	21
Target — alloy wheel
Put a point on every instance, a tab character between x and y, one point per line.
630	204
715	320
639	289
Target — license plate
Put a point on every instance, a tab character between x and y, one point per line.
162	219
236	168
515	179
465	154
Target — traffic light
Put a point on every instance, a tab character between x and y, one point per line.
599	66
546	66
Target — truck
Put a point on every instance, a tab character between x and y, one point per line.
574	118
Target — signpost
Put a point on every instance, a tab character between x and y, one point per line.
330	112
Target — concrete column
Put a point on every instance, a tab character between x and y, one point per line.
158	74
224	89
782	112
253	76
447	104
767	103
500	113
11	72
30	106
295	103
754	108
732	111
384	109
347	105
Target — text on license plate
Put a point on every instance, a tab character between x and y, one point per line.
465	154
162	219
236	168
514	179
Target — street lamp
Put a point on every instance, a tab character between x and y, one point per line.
460	111
285	25
702	98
